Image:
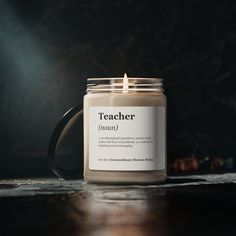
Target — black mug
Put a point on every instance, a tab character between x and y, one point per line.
65	150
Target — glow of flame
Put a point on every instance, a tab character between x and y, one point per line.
125	83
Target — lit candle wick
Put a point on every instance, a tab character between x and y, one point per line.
125	83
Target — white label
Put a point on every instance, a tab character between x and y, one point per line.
127	138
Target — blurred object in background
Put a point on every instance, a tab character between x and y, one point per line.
229	164
205	163
192	164
188	164
217	164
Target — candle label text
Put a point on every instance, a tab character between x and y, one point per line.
127	138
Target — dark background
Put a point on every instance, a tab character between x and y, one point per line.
48	48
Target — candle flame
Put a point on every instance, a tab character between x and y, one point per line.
125	83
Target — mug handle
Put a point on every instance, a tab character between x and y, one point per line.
60	172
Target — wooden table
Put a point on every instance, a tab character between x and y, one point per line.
190	205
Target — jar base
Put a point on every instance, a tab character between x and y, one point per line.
142	177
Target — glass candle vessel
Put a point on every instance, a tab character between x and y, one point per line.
124	130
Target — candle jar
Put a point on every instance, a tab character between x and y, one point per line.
124	130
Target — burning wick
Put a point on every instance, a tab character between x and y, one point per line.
125	83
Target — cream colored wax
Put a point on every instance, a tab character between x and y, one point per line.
108	163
